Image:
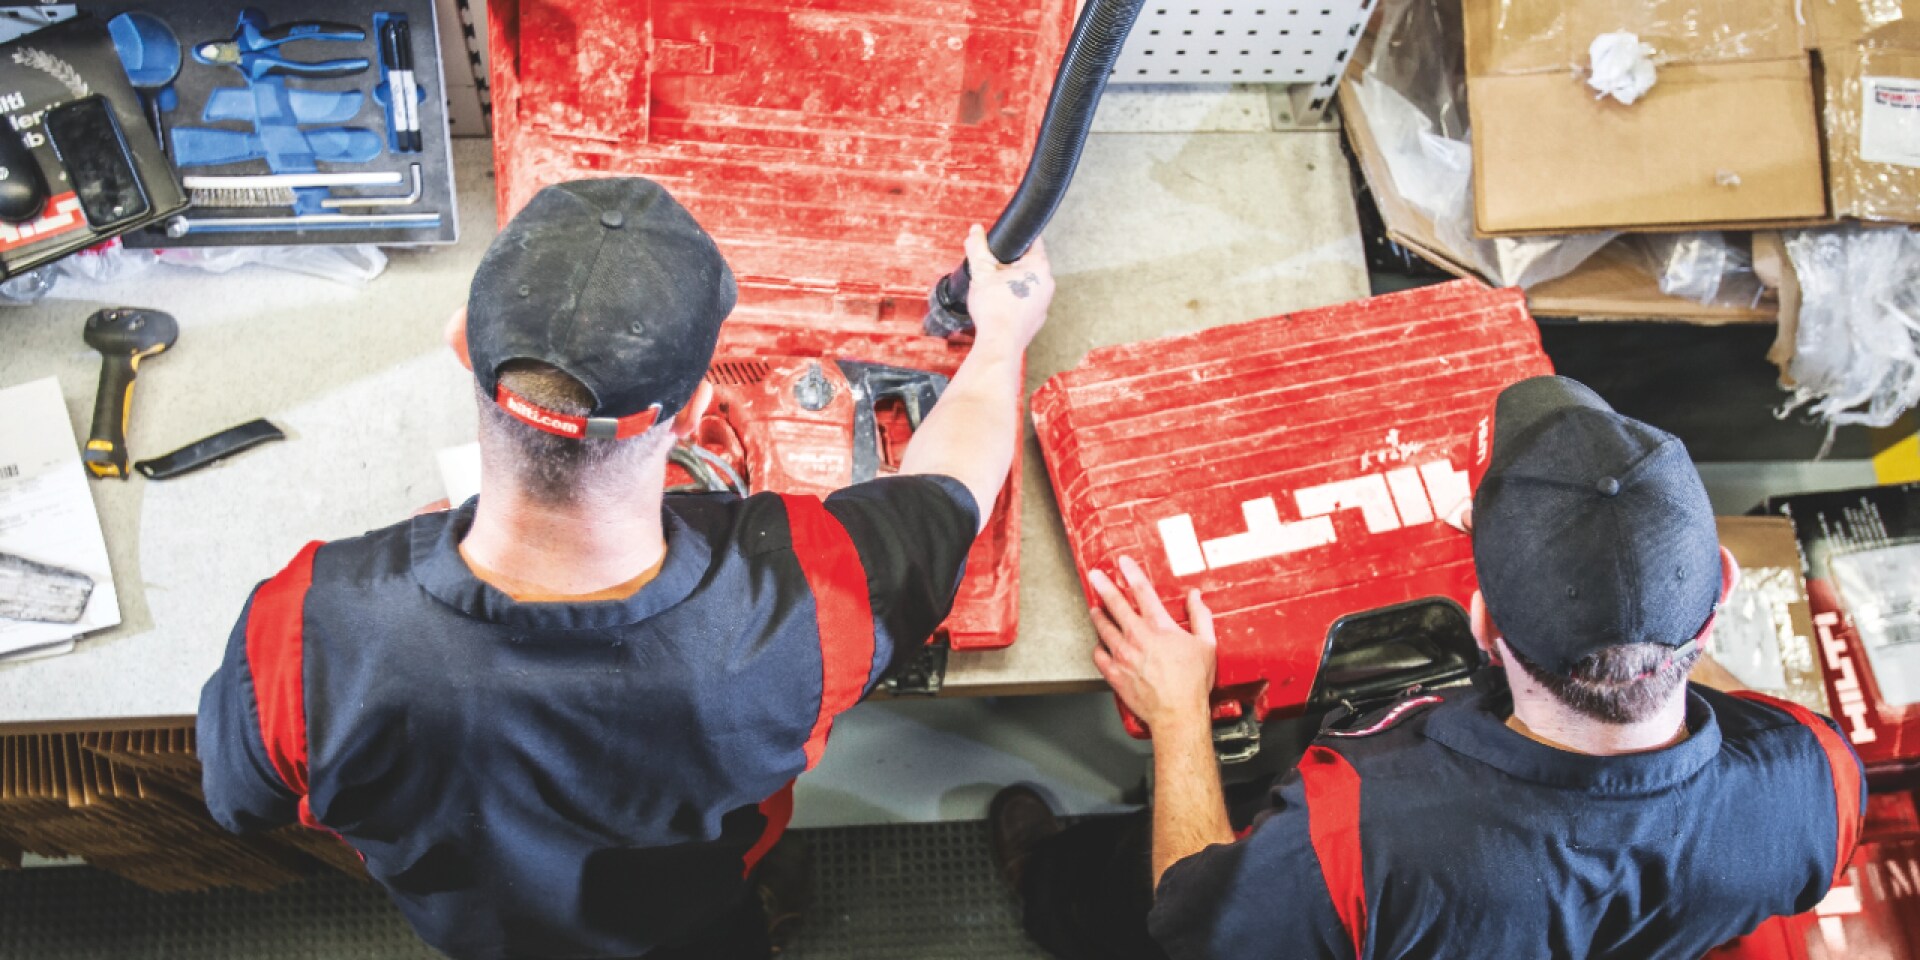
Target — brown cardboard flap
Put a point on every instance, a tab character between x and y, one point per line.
1552	36
1611	285
1709	145
1769	557
1885	68
1615	285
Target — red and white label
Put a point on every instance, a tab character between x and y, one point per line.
61	216
1399	498
1845	679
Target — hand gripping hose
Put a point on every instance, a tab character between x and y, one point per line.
1084	69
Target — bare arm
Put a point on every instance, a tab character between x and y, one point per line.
973	431
1164	674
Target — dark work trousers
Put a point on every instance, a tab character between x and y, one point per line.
740	935
1087	890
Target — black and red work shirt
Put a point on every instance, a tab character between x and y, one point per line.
1434	830
572	779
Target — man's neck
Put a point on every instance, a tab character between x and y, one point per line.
1538	716
568	549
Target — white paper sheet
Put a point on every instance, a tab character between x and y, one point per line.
47	513
1890	120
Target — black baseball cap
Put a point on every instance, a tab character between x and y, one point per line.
612	282
1590	529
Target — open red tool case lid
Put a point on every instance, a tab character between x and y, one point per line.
1297	469
836	150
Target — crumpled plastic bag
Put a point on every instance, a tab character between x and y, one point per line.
353	264
1621	66
1857	350
1709	268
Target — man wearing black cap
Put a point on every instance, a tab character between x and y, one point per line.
1581	800
564	719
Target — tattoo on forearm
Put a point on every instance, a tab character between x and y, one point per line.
1023	287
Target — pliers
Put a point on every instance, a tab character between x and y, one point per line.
254	49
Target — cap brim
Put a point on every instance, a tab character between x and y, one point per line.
1533	401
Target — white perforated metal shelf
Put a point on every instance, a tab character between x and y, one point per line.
1302	43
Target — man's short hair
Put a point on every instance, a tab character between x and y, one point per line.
551	468
1619	684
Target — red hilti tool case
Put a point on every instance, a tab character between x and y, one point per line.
1298	470
1872	913
836	150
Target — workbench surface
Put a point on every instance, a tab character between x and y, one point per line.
1163	232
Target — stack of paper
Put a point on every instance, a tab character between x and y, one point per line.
55	580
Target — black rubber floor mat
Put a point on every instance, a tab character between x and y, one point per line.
910	892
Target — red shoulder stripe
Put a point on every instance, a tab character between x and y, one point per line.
1333	825
1846	776
778	809
839	583
274	643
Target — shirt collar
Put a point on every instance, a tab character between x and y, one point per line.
439	568
1474	725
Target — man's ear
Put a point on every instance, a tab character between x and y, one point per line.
1729	574
457	336
688	419
1484	632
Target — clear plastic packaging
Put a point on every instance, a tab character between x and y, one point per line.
109	263
1857	348
1413	89
1712	268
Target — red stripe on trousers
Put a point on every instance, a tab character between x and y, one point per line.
1333	825
1846	776
778	809
274	643
839	584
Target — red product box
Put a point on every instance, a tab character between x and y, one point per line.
837	151
1861	550
1297	469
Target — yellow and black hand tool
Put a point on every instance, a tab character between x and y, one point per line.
124	336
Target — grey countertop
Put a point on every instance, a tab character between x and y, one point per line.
1163	232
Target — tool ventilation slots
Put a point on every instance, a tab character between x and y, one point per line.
1288	42
737	373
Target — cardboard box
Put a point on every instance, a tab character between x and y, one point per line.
1765	632
1728	138
1871	110
1612	285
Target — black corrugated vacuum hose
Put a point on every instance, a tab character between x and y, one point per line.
1084	68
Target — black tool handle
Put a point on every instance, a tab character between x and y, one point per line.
320	70
1082	77
106	452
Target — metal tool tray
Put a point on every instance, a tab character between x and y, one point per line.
196	22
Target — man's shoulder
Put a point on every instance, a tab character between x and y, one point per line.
742	526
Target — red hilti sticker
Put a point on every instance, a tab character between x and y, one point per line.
61	216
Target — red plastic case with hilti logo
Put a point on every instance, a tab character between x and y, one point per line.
1861	550
837	151
1298	469
1872	913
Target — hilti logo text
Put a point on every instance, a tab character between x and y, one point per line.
1853	702
1388	502
540	416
